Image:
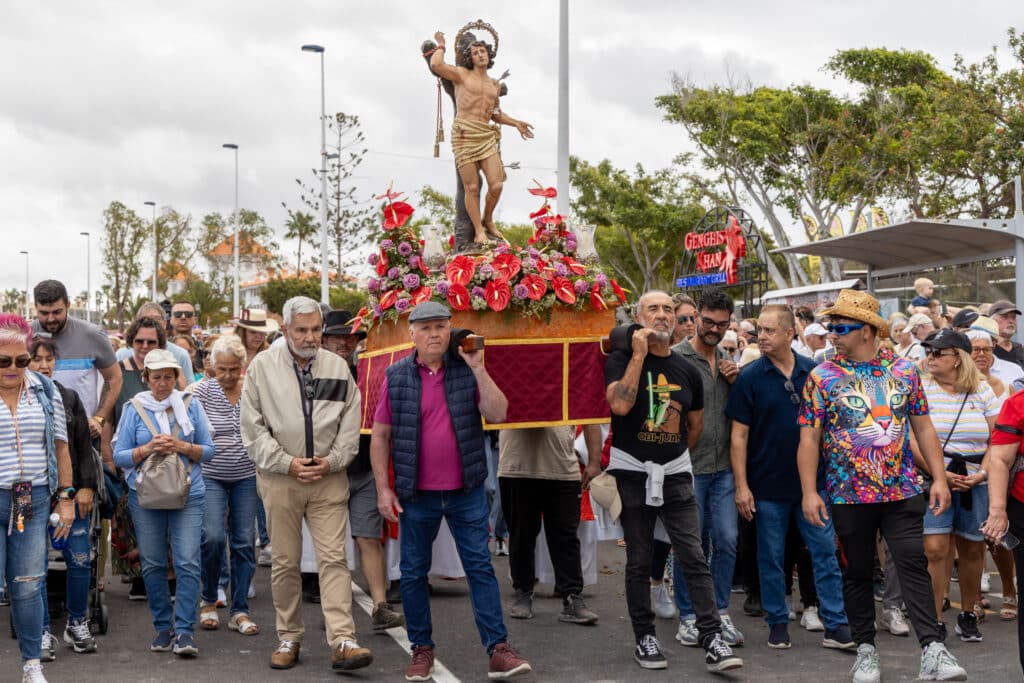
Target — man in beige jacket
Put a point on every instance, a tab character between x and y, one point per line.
300	425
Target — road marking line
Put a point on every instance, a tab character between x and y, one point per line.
441	672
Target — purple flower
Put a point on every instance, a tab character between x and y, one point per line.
561	269
501	249
534	253
393	272
414	261
556	256
539	223
581	285
372	260
486	270
520	291
601	279
404	248
386	244
401	305
529	263
442	287
479	292
373	284
570	245
411	281
376	311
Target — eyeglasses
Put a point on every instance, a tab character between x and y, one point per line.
729	349
19	362
145	342
844	329
708	322
183	314
987	350
938	353
793	398
683	319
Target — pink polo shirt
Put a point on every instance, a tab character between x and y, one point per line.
439	465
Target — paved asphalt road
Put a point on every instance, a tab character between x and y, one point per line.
558	652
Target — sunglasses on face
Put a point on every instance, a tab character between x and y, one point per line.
19	362
183	314
793	398
938	353
683	319
729	349
843	329
146	342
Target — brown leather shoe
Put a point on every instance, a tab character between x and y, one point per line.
349	655
286	655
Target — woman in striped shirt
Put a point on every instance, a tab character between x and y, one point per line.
230	490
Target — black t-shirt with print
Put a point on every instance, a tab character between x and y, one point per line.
655	429
1014	355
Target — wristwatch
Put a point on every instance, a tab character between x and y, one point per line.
66	494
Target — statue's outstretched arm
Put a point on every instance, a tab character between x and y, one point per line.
438	65
525	129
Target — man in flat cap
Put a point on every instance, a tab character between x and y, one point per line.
427	422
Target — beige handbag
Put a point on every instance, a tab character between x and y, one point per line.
162	482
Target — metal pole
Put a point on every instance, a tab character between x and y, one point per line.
324	288
1018	245
156	249
563	107
88	277
234	300
28	312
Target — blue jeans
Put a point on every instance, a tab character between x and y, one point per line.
184	528
716	511
466	514
229	504
23	555
499	528
77	557
261	523
772	519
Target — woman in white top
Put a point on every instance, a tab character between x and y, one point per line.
901	335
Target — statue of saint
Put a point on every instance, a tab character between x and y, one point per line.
476	131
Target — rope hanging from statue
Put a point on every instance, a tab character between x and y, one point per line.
439	137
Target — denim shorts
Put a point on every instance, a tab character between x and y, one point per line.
363	517
965	523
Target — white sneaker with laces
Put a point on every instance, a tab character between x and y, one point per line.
810	620
662	603
687	635
730	634
792	611
894	621
865	669
937	664
986	582
32	672
47	647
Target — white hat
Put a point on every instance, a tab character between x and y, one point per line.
256	319
604	491
730	336
159	359
817	329
919	319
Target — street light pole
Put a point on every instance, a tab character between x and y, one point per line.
563	107
234	301
88	276
324	289
27	311
156	248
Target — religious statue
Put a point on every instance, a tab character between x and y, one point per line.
476	130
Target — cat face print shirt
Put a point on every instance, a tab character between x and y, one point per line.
863	410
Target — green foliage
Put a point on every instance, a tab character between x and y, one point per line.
213	307
302	227
124	239
279	290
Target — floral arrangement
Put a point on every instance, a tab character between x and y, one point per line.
530	280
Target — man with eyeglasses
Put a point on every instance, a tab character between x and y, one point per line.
713	482
856	414
155	311
764	406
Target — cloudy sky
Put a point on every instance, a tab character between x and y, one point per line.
131	101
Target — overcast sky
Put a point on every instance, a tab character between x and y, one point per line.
131	101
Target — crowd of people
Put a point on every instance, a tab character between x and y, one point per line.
878	457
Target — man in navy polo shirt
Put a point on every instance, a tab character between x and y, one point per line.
764	405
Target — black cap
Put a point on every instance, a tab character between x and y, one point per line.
947	338
964	318
336	322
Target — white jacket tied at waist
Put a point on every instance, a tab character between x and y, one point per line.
621	460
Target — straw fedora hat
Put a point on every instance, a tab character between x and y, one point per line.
256	319
861	306
604	491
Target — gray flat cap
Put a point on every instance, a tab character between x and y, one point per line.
429	310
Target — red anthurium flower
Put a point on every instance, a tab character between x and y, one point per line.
546	271
535	285
460	270
506	266
424	267
382	263
458	297
596	300
388	299
618	291
389	194
563	290
552	219
357	322
396	214
420	294
574	266
498	294
540	212
541	191
451	242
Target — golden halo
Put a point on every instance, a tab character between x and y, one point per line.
478	24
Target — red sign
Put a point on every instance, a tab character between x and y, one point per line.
726	260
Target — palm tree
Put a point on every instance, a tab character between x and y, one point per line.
300	226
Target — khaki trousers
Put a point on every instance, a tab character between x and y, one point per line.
323	504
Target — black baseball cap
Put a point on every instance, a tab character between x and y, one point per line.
964	318
947	338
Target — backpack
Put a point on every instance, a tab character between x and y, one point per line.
162	482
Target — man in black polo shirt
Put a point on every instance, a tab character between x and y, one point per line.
1005	314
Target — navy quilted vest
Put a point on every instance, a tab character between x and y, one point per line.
460	390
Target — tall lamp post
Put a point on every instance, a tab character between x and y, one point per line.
27	312
156	248
88	276
324	290
234	301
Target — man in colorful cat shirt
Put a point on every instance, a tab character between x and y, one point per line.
855	415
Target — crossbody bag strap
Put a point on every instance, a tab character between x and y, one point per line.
955	422
144	416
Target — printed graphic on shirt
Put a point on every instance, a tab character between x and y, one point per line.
663	414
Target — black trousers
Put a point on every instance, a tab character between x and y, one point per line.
525	503
902	525
1015	513
746	573
797	554
679	517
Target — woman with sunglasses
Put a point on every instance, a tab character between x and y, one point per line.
77	552
35	465
963	409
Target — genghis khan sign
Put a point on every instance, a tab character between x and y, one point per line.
719	266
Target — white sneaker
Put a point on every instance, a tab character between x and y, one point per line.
986	582
263	559
937	664
810	619
47	647
32	672
730	634
894	621
662	603
792	611
687	635
865	669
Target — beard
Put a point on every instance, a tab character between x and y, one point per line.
711	338
306	351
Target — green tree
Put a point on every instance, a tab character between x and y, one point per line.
213	307
302	227
257	248
279	290
124	238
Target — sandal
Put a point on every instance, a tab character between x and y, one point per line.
243	624
208	616
1008	610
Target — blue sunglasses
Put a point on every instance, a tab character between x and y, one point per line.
845	329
